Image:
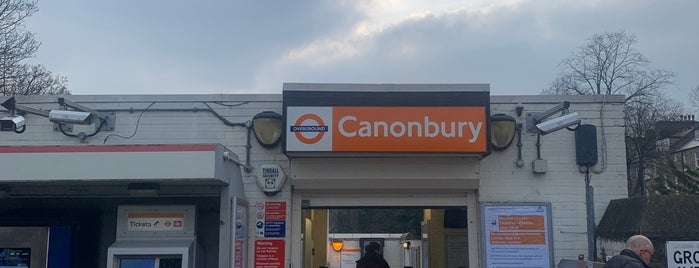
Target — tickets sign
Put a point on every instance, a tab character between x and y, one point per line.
155	221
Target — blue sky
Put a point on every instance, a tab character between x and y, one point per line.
236	46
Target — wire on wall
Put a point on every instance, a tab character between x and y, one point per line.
604	139
138	121
82	135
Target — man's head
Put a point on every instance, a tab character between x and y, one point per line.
642	246
373	247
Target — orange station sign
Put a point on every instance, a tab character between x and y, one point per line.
352	128
388	129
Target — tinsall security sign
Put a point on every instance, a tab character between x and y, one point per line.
682	254
386	129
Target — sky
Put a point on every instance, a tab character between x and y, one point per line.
239	46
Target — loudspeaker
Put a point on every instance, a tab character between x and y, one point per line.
586	145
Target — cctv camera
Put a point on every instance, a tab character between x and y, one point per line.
70	117
557	123
11	123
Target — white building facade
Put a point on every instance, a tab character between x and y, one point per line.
193	162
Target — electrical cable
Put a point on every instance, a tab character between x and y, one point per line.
230	105
225	121
604	138
538	146
138	121
574	128
23	129
97	130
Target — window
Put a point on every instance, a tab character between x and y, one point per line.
696	160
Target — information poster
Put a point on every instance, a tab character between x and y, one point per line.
269	254
271	219
350	257
241	230
517	235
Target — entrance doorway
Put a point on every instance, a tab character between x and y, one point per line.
417	237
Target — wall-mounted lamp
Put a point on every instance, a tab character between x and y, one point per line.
406	244
337	244
502	131
268	128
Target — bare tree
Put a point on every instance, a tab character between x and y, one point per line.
642	117
609	64
16	46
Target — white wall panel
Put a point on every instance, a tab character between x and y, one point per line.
498	179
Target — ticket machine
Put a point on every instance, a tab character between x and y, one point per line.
154	237
23	247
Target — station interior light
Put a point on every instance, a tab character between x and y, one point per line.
337	244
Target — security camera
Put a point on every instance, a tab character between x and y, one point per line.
71	117
557	123
11	123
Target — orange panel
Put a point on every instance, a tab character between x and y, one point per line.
409	129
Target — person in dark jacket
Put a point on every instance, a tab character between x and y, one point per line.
372	258
637	254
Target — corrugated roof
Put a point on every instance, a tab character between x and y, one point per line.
658	216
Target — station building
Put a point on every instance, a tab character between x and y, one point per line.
252	180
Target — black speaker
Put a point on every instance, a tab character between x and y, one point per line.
586	145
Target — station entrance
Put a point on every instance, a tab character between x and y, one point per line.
414	230
409	236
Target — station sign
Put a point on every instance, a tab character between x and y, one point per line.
366	122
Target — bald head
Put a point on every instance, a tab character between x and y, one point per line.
642	246
638	242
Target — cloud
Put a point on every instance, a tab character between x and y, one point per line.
214	46
455	44
514	45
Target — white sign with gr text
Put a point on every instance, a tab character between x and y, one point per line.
682	254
